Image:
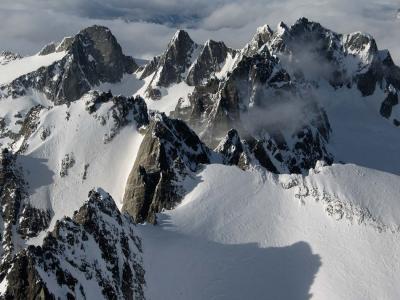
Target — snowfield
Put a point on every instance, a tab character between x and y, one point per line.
241	235
72	131
25	65
360	135
128	85
169	96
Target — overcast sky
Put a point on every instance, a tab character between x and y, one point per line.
144	27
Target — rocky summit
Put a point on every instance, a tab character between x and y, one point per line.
206	172
92	56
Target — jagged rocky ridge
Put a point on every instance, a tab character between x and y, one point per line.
7	56
283	67
92	56
94	254
263	76
255	86
184	60
171	151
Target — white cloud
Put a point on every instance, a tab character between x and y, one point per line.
29	24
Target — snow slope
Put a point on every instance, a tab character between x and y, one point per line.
128	85
19	67
73	131
169	96
14	110
242	235
359	133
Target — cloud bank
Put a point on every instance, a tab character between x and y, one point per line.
144	27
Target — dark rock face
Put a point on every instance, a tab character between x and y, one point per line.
244	153
391	100
176	59
98	247
93	56
33	221
231	148
149	68
171	66
20	219
12	195
169	151
390	70
210	60
260	154
108	60
258	84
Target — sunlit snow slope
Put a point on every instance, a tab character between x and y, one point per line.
247	235
19	67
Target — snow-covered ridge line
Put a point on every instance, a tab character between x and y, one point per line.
25	65
359	204
231	219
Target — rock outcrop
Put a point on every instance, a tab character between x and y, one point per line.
7	56
19	219
94	254
124	110
169	151
210	61
172	65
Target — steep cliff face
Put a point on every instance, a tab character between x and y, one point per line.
170	151
172	66
210	61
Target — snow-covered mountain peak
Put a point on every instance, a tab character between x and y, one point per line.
212	59
181	37
91	57
173	65
264	29
261	37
